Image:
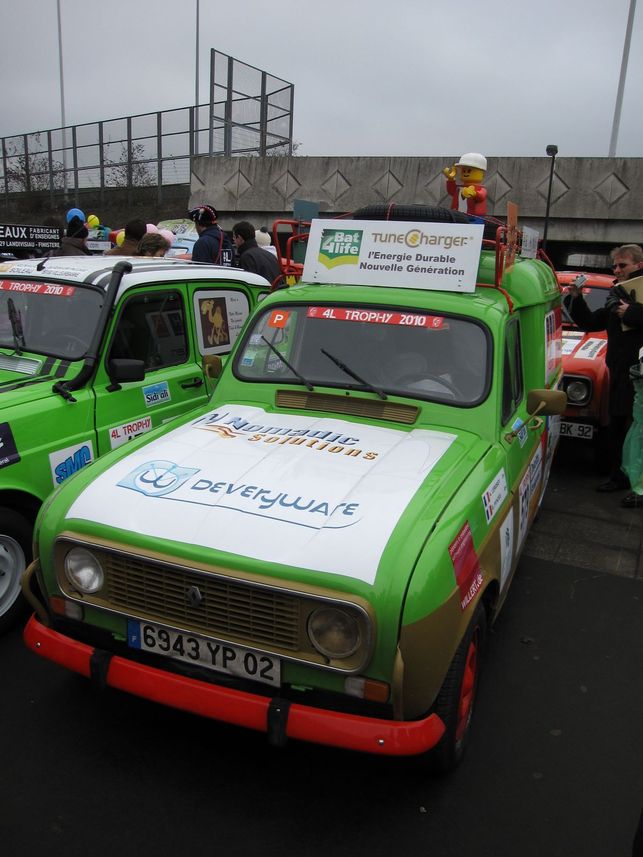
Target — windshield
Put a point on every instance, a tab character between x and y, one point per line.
48	318
594	297
384	351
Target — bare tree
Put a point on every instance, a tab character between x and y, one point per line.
131	169
28	171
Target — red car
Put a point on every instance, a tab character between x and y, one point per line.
585	375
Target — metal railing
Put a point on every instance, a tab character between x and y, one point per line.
249	113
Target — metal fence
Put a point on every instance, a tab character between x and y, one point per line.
250	112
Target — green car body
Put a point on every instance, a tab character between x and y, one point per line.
317	552
93	352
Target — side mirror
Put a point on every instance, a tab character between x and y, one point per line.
546	402
212	366
121	370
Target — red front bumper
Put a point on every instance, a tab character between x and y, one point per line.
351	731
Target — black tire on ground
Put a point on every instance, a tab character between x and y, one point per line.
15	555
456	700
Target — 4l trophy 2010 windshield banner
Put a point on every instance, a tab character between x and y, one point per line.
404	254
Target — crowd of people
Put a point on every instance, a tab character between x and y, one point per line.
249	248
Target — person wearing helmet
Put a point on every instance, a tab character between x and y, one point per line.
465	184
212	245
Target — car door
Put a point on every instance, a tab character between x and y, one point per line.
219	312
520	438
152	325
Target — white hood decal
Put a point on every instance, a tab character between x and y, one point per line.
323	494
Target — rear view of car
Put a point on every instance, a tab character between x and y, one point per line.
585	375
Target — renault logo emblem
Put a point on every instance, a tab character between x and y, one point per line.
194	597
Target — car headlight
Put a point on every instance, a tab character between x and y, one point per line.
84	571
578	392
334	632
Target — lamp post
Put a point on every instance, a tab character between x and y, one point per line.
62	96
552	151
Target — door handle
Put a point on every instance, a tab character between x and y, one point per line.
195	382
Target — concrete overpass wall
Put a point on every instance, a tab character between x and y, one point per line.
592	200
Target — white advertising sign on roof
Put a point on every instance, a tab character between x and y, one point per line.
403	254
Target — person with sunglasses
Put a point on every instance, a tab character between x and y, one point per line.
622	318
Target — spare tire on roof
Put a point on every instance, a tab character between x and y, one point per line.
420	213
392	211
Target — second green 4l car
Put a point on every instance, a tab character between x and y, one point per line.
95	351
319	551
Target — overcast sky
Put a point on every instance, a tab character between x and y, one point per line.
401	77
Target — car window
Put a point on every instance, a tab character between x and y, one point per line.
152	328
422	355
512	380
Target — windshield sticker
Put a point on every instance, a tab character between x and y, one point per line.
278	318
372	316
466	565
118	435
221	316
8	450
318	493
37	288
65	462
157	394
591	349
553	341
570	341
495	495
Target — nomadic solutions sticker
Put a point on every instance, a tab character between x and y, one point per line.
340	247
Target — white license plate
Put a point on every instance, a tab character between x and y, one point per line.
194	649
582	430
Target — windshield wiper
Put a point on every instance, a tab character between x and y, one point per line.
354	375
16	327
297	375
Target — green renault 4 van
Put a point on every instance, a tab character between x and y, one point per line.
95	351
318	552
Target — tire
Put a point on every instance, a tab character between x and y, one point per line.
456	701
15	556
427	213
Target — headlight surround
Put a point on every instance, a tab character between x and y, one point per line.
578	391
334	632
84	571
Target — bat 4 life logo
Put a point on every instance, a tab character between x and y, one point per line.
340	247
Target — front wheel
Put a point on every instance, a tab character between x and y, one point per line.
456	700
15	555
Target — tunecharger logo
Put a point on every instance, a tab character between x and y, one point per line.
340	247
417	238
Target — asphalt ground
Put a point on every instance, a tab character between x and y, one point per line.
555	767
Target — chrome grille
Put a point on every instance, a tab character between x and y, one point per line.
228	608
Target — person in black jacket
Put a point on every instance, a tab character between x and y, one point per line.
73	242
254	258
622	318
212	245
